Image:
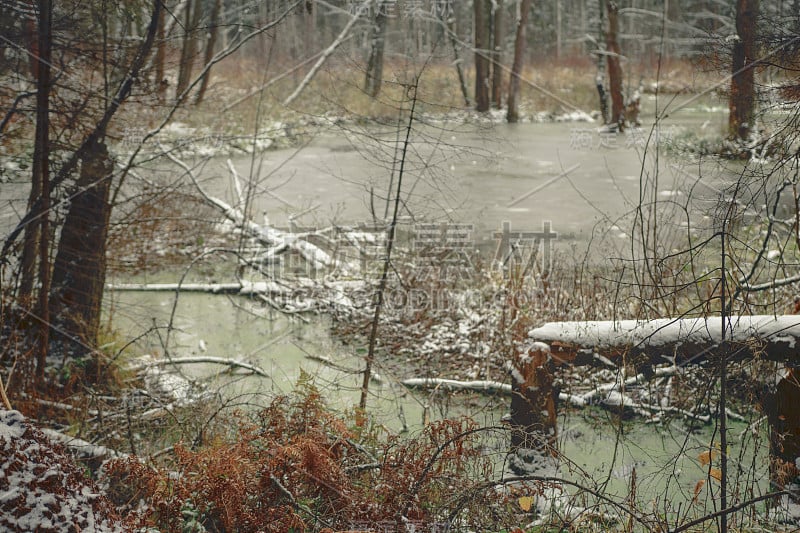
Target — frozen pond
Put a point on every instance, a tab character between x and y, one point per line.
486	175
581	180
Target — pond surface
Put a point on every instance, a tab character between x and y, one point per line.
584	182
598	450
487	175
568	173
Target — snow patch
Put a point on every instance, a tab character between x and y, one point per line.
11	425
540	346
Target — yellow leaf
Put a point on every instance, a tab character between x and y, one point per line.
715	473
697	488
525	503
707	456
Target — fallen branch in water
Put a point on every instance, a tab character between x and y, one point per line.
243	288
452	384
610	400
275	241
233	363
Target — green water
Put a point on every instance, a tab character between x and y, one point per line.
598	451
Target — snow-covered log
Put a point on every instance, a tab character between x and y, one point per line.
243	288
646	343
276	240
232	363
452	384
684	339
84	450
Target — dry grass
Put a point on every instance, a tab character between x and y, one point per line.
336	91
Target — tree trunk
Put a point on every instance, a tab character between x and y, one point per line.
558	30
519	57
160	57
189	50
614	66
498	37
448	18
38	66
374	78
79	270
41	175
210	46
742	98
782	409
601	62
481	61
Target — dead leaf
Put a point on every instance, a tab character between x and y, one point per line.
697	488
525	503
706	457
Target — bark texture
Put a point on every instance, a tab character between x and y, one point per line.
498	37
512	114
614	66
374	76
742	98
481	58
79	271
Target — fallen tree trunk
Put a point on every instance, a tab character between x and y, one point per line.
242	288
277	241
84	450
677	340
233	363
452	384
607	395
644	344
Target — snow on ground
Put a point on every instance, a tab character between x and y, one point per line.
41	489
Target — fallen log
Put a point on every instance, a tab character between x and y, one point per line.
452	384
492	387
243	288
276	241
644	344
680	340
83	450
199	360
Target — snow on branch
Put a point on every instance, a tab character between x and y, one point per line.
684	339
232	363
83	449
277	241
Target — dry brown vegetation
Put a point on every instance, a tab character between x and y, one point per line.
296	466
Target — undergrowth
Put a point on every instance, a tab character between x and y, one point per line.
296	466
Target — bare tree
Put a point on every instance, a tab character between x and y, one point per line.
41	178
213	33
44	185
742	98
614	65
447	19
160	57
519	57
194	11
481	22
374	75
498	39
